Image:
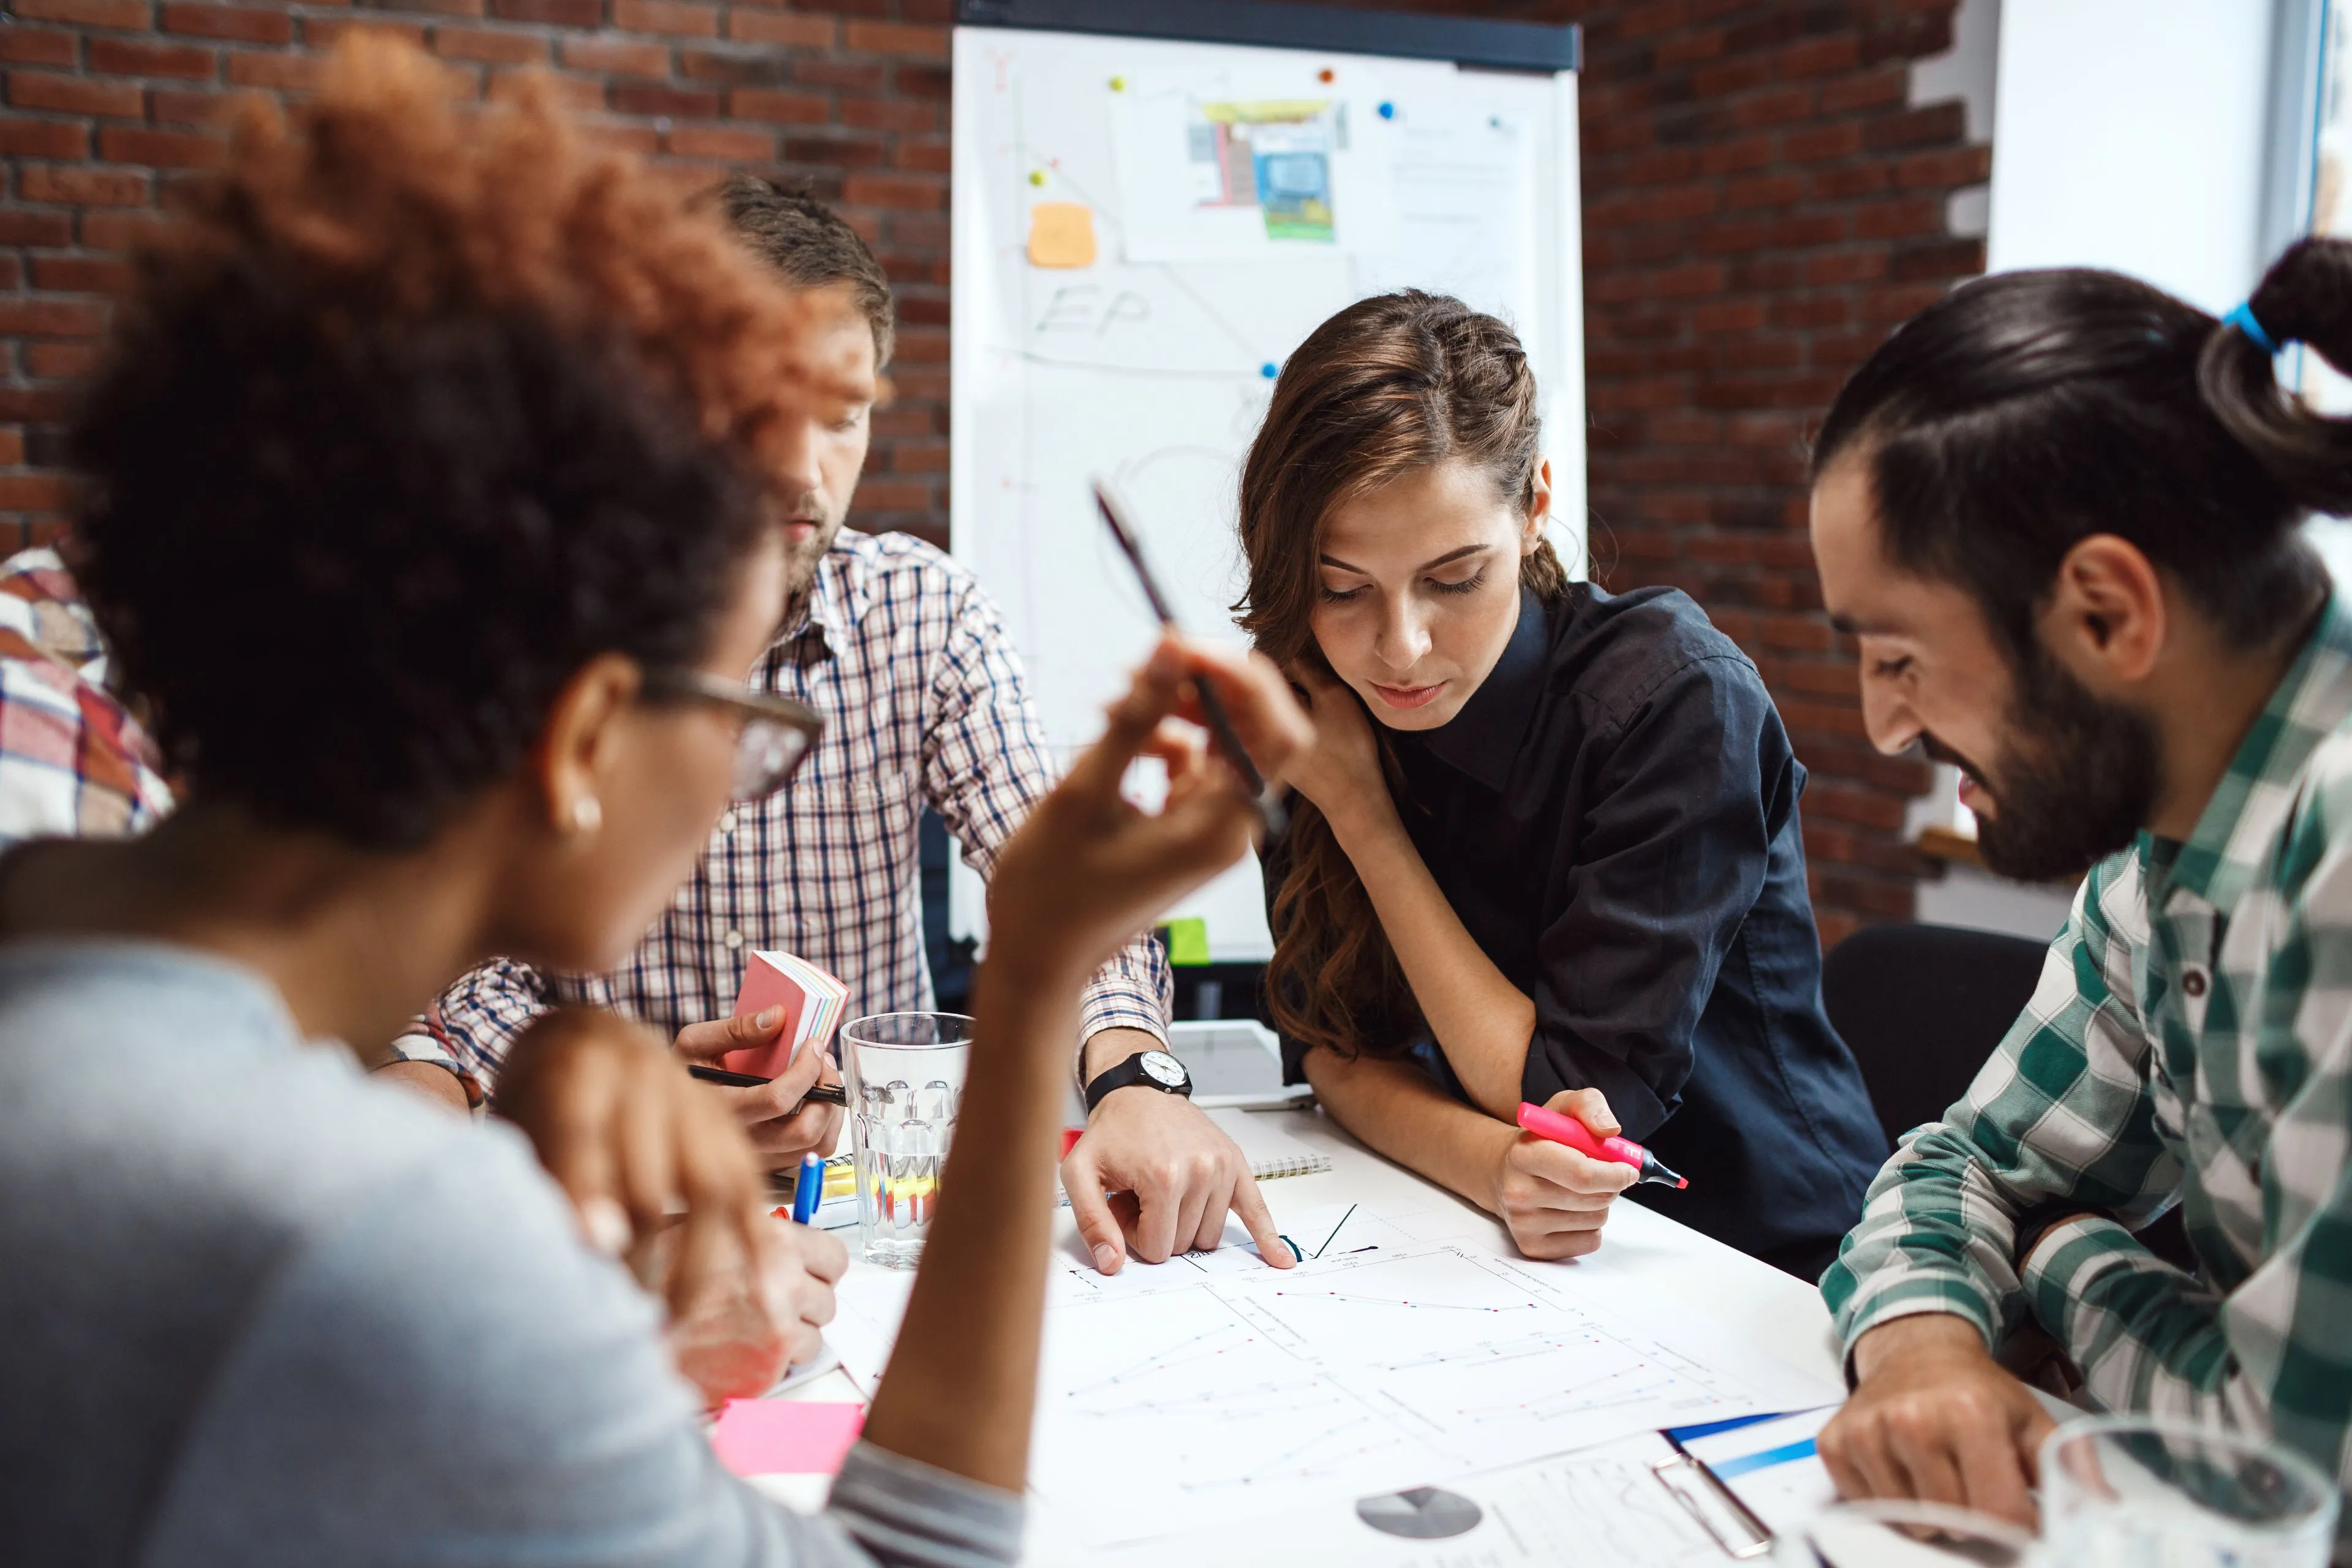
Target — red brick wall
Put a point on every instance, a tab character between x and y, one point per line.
1761	206
109	101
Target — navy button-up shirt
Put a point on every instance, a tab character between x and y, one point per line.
1613	817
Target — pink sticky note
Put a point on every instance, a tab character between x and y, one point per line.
785	1437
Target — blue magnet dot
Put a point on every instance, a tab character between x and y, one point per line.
1388	111
1269	370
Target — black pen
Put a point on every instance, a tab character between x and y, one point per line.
823	1094
1271	816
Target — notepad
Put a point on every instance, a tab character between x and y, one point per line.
813	1002
1270	1151
785	1437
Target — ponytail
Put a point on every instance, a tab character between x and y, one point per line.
2305	298
2023	413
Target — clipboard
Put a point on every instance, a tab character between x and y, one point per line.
1718	1512
1744	1479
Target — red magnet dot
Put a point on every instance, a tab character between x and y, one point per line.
1326	74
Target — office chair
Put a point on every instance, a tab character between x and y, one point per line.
1921	1007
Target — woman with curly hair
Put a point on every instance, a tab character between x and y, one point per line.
423	502
1548	848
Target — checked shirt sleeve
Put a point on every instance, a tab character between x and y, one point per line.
2060	1113
2272	1355
986	763
471	1027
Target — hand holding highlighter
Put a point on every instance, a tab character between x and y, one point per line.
1575	1135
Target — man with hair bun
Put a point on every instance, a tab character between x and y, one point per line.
926	704
2059	510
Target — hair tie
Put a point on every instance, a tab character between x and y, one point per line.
2242	317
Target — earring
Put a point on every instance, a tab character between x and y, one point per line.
587	814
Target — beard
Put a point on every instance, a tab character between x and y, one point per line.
2081	793
801	556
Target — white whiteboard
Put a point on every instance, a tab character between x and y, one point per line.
1151	362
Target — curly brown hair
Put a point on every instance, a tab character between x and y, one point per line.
415	408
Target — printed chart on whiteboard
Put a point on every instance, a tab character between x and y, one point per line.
1144	231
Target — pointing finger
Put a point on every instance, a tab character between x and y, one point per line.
1097	1228
1250	1204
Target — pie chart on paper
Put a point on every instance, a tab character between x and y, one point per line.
1424	1513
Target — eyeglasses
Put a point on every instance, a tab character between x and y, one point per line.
778	732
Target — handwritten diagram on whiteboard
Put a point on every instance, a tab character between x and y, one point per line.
1144	230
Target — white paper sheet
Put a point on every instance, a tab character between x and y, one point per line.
1602	1505
1772	1466
1231	1391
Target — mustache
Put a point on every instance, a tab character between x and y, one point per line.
1938	751
808	507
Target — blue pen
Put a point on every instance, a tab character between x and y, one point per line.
807	1189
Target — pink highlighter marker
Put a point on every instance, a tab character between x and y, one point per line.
1567	1129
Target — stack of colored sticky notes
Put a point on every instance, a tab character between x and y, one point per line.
813	1002
837	1206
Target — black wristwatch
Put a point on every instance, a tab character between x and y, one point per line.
1153	1070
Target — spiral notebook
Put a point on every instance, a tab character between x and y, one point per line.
1270	1151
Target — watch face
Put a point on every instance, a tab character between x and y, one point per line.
1163	1067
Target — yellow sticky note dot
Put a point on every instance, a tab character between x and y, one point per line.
1037	177
1061	234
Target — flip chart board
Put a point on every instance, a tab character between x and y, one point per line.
1146	226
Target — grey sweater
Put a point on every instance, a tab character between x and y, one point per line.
255	1309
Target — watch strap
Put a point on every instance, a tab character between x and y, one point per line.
1124	1073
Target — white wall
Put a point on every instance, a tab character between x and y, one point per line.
1967	71
2131	134
1964	896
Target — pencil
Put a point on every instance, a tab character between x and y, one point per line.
1271	814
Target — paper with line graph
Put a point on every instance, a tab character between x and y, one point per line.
1242	1393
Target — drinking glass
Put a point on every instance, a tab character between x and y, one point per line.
1903	1534
2136	1492
903	1072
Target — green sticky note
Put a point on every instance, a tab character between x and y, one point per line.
1188	942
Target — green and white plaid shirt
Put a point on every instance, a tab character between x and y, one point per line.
2190	1039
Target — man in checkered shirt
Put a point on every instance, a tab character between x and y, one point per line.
74	761
925	703
2075	571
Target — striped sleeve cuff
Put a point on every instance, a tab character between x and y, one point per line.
907	1513
1892	1293
1133	990
419	1047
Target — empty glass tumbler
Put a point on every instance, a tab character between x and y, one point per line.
905	1073
2135	1491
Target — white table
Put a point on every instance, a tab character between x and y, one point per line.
1772	1311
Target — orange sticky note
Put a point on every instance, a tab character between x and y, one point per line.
785	1437
1061	234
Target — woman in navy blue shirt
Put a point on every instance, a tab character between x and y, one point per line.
1548	845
